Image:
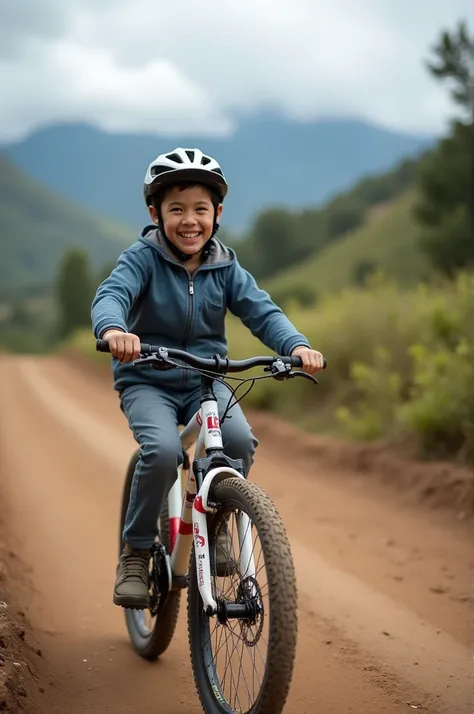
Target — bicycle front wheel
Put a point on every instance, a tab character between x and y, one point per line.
245	665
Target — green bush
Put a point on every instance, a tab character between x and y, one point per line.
380	387
363	269
440	410
400	366
299	295
434	401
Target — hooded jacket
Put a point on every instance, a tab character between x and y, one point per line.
151	294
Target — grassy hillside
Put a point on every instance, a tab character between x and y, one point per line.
37	226
387	241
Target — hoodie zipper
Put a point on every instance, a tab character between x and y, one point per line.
189	321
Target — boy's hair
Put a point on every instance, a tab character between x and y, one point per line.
156	199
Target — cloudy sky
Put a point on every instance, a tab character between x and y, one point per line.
160	66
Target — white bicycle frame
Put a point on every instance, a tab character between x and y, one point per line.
187	511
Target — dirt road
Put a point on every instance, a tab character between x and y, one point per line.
385	626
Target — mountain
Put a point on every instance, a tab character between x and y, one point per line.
37	226
269	160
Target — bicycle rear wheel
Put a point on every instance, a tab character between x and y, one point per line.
246	683
150	635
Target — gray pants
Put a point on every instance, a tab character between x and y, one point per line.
153	415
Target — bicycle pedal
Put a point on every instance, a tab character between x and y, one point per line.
179	582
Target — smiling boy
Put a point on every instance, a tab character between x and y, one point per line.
172	287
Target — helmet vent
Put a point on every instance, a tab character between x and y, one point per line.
175	157
158	170
205	160
190	154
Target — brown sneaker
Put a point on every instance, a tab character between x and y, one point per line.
131	583
225	564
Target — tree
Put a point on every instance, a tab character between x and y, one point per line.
274	241
20	316
450	245
444	179
74	291
454	57
347	217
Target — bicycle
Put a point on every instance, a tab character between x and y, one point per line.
184	554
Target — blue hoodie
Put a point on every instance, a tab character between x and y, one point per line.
151	294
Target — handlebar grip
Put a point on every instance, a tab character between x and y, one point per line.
102	346
296	362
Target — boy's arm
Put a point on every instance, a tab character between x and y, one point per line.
259	313
117	293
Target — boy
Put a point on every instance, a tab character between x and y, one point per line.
172	287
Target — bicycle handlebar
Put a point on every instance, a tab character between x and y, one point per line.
219	364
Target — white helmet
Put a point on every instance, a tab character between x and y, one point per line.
184	165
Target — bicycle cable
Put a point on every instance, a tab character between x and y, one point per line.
218	378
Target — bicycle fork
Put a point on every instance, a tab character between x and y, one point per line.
193	525
200	510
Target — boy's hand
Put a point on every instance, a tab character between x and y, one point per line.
123	345
312	361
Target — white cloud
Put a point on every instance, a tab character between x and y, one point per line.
71	83
155	66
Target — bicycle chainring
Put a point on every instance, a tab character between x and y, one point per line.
159	578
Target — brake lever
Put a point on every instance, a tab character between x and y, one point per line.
299	373
161	363
151	359
279	370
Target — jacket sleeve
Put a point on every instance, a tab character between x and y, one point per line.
116	295
258	312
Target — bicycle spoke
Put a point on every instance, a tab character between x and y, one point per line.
231	670
241	660
231	641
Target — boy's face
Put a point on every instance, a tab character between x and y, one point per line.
188	217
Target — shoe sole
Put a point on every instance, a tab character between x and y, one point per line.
132	603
